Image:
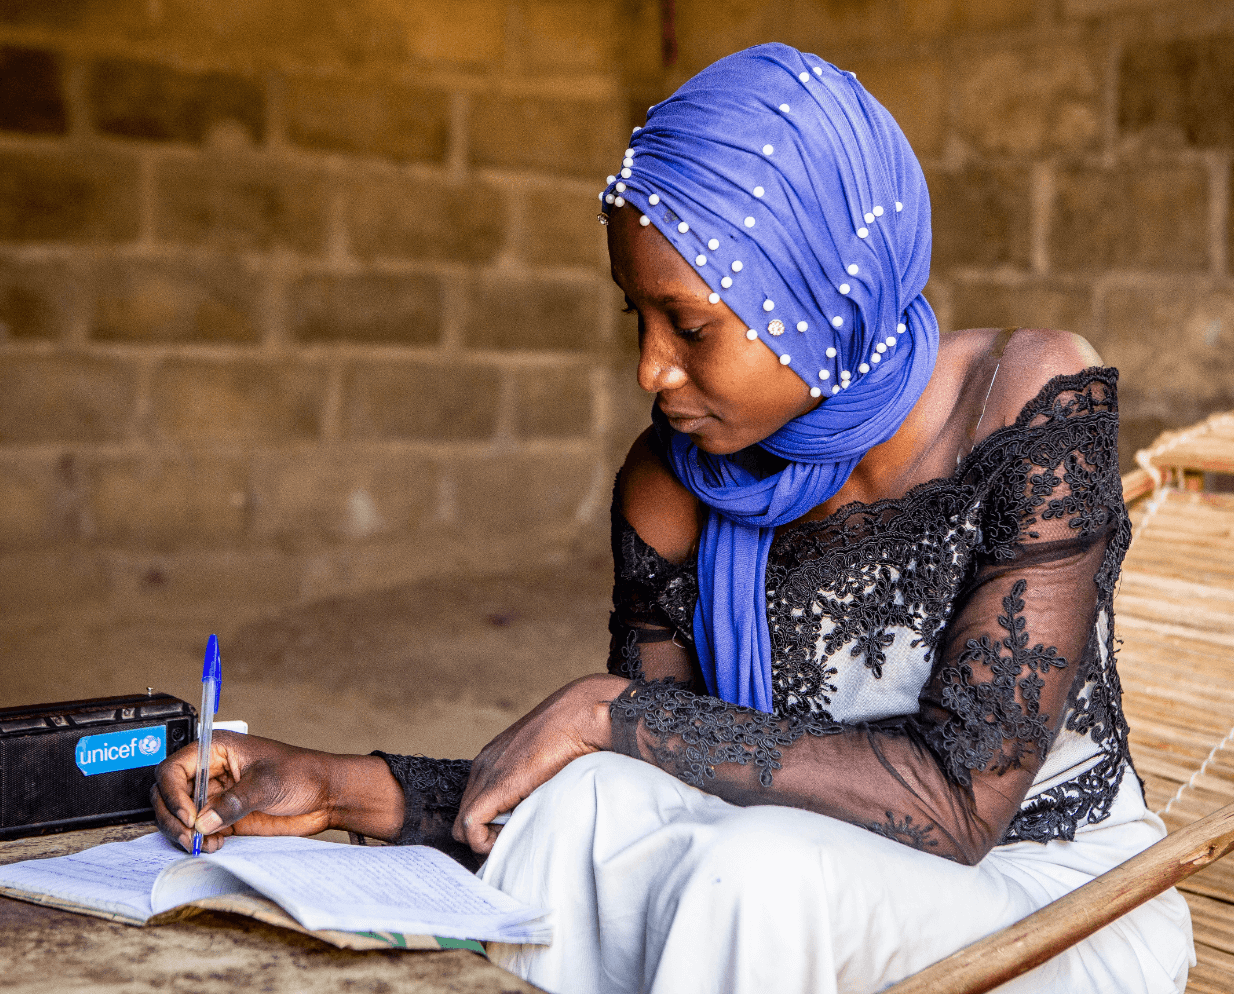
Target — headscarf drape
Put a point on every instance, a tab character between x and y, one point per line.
798	200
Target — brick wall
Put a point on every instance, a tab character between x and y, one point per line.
296	298
301	297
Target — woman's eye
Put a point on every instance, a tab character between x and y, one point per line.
690	334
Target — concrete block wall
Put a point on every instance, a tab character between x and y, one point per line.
1079	158
299	298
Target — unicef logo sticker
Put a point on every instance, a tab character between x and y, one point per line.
126	750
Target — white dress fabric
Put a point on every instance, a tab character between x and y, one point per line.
658	887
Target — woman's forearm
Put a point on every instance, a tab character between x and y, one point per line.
365	798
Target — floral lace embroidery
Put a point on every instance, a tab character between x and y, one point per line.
900	565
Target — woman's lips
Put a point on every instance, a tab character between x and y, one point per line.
684	421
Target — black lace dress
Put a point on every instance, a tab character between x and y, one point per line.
943	663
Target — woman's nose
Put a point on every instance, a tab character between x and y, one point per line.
659	367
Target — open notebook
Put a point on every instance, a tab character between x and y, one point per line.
356	897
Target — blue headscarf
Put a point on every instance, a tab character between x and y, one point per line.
798	200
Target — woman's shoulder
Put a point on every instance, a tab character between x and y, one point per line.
1029	361
657	506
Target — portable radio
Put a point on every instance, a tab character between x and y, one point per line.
80	764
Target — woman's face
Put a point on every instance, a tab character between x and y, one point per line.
711	382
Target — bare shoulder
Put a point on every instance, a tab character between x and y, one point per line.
1032	357
663	512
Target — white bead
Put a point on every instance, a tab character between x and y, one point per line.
637	130
749	222
824	375
769	305
751	334
837	321
726	282
627	162
620	188
768	149
853	270
815	392
785	359
846	384
683	227
878	211
845	374
713	244
862	232
629	152
784	107
644	220
653	199
700	260
802	326
900	329
612	180
758	191
869	218
609	199
818	71
876	358
776	327
713	298
863	368
601	197
736	265
619	202
835	389
831	353
890	341
844	288
804	77
626	174
899	206
880	347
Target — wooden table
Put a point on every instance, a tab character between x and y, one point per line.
42	949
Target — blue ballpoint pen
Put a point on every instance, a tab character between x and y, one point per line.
211	687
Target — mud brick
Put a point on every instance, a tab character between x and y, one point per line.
551	135
427	220
378	308
982	304
517	312
50	197
65	399
145	100
980	217
240	204
31	97
466	32
513	491
553	402
27	497
578	35
560	228
1182	88
37	298
914	91
418	400
1031	99
1196	365
145	300
1093	224
341	495
409	124
237	401
190	500
630	408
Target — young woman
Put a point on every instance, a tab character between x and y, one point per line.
862	706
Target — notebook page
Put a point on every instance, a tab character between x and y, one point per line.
116	877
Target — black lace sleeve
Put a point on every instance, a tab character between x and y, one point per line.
651	625
432	790
1022	639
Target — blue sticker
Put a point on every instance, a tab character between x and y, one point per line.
125	750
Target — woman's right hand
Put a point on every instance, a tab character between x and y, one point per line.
261	787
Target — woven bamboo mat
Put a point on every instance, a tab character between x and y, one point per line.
1174	612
